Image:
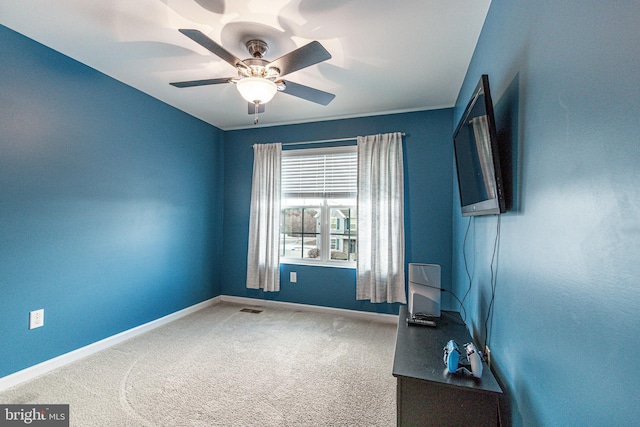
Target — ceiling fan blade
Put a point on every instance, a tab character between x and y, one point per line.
251	108
308	93
204	82
204	41
300	58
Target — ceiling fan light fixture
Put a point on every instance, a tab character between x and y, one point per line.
256	89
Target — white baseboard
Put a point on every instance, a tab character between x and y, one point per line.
354	314
64	359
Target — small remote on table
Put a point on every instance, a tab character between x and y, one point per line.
421	322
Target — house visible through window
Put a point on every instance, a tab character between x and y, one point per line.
319	216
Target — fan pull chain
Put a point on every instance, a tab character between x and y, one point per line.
255	117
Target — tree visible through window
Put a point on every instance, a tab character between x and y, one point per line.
319	215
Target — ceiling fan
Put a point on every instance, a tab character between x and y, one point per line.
258	79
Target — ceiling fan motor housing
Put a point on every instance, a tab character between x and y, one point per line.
259	68
257	48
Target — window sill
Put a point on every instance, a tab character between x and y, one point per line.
292	261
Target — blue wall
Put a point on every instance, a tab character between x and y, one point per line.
566	324
110	202
428	178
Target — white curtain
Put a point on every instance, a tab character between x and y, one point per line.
263	257
380	261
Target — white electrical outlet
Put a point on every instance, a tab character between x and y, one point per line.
36	318
293	276
487	353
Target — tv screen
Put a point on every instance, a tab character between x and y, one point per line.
477	157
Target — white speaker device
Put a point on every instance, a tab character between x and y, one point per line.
424	289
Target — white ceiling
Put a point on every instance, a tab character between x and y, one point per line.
387	57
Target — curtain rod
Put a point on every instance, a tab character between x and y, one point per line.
320	141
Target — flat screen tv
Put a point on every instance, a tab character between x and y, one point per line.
477	156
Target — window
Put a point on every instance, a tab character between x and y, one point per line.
318	216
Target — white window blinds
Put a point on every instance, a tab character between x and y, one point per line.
324	172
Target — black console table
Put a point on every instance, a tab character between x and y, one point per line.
427	395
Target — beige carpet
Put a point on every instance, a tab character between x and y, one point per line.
224	367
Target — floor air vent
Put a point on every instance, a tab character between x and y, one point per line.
251	310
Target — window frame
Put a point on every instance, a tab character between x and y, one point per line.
325	204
